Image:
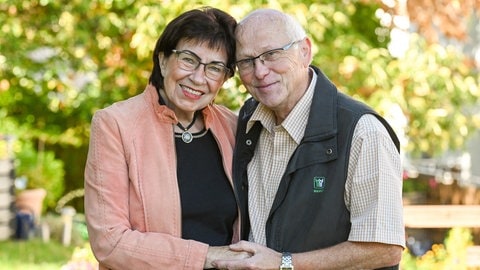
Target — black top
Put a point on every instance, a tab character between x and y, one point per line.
208	203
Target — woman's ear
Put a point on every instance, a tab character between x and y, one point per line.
162	62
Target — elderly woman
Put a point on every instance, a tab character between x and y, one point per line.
158	185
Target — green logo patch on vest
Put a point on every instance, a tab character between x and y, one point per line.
318	184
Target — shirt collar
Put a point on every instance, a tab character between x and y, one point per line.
296	122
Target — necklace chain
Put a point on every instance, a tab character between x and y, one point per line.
189	125
187	136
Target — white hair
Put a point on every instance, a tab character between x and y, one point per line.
285	22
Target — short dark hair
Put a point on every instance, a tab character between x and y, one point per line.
210	25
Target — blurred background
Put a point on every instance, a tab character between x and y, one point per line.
416	62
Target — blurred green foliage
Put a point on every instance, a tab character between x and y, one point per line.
452	254
42	169
60	61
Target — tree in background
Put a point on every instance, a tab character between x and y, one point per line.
437	79
62	60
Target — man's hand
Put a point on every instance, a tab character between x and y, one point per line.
262	258
223	253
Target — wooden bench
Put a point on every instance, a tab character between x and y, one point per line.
445	216
441	216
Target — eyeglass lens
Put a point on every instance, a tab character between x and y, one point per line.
190	62
245	66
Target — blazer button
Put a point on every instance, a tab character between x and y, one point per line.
248	142
329	151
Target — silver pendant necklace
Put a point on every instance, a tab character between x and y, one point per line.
187	136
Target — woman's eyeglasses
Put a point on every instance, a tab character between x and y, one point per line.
189	61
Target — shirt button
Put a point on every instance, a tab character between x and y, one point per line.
248	142
329	151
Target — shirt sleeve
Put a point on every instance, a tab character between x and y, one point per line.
373	190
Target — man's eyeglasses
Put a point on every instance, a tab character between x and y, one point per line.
189	61
246	66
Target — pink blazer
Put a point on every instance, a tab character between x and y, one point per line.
132	199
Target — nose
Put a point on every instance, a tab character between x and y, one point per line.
259	68
198	75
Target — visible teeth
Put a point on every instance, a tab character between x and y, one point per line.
191	91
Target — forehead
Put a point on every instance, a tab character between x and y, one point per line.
205	51
257	34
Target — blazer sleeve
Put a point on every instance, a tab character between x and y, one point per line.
115	243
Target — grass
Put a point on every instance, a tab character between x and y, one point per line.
33	254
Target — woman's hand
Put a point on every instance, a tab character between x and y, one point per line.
260	257
223	253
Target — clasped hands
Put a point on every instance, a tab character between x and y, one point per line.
242	255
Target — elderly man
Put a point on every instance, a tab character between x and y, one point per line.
317	173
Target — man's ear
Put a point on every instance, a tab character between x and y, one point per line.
306	51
